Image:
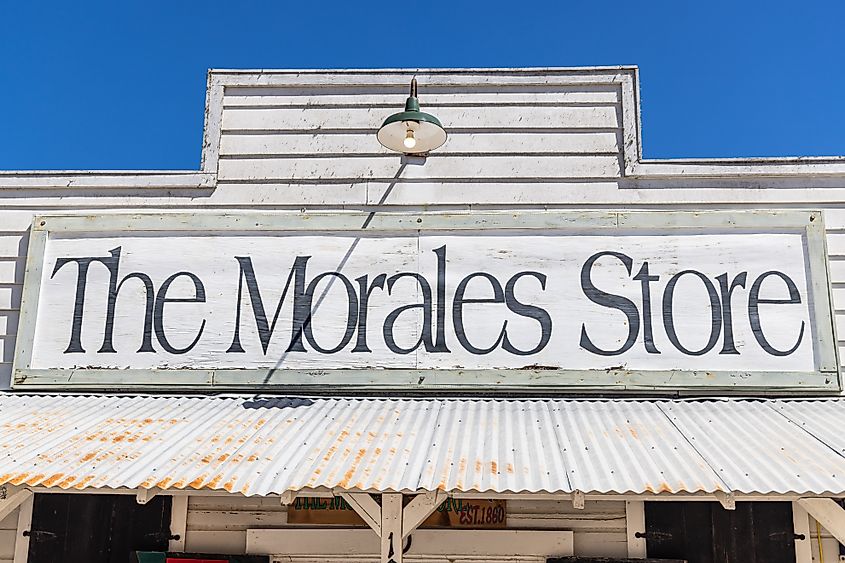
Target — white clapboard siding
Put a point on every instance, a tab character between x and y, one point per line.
834	218
12	269
541	142
263	169
607	194
837	267
500	117
836	243
393	96
330	193
840	328
7	347
10	296
220	523
5	374
12	244
839	294
538	132
9	322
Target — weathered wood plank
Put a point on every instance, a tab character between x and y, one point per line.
216	541
143	179
598	194
601	544
390	100
229	503
840	325
428	542
435	167
11	269
332	193
590	117
692	169
395	95
834	218
838	293
601	142
12	245
231	520
836	244
10	522
837	270
541	507
9	322
7	347
7	543
10	296
431	78
24	523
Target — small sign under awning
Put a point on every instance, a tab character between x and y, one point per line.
453	513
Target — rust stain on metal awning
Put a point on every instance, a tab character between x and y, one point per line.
261	446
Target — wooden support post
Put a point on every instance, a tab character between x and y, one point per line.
801	526
178	523
391	528
635	524
828	513
24	524
403	522
419	509
367	508
12	501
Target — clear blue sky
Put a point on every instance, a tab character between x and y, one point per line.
121	84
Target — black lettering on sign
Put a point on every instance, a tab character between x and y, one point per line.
530	311
611	301
725	289
114	290
648	332
429	301
440	342
82	265
669	318
307	304
265	329
754	302
162	300
364	301
458	311
153	309
390	320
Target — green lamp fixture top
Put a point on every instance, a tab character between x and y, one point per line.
412	131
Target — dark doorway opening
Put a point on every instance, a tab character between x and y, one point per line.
80	528
704	532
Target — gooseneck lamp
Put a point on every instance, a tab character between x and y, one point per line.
412	131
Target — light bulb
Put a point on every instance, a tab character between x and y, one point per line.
409	142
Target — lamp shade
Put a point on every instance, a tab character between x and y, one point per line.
412	131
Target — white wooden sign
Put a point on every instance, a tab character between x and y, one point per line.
500	301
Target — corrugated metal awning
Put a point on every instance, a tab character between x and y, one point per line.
260	446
